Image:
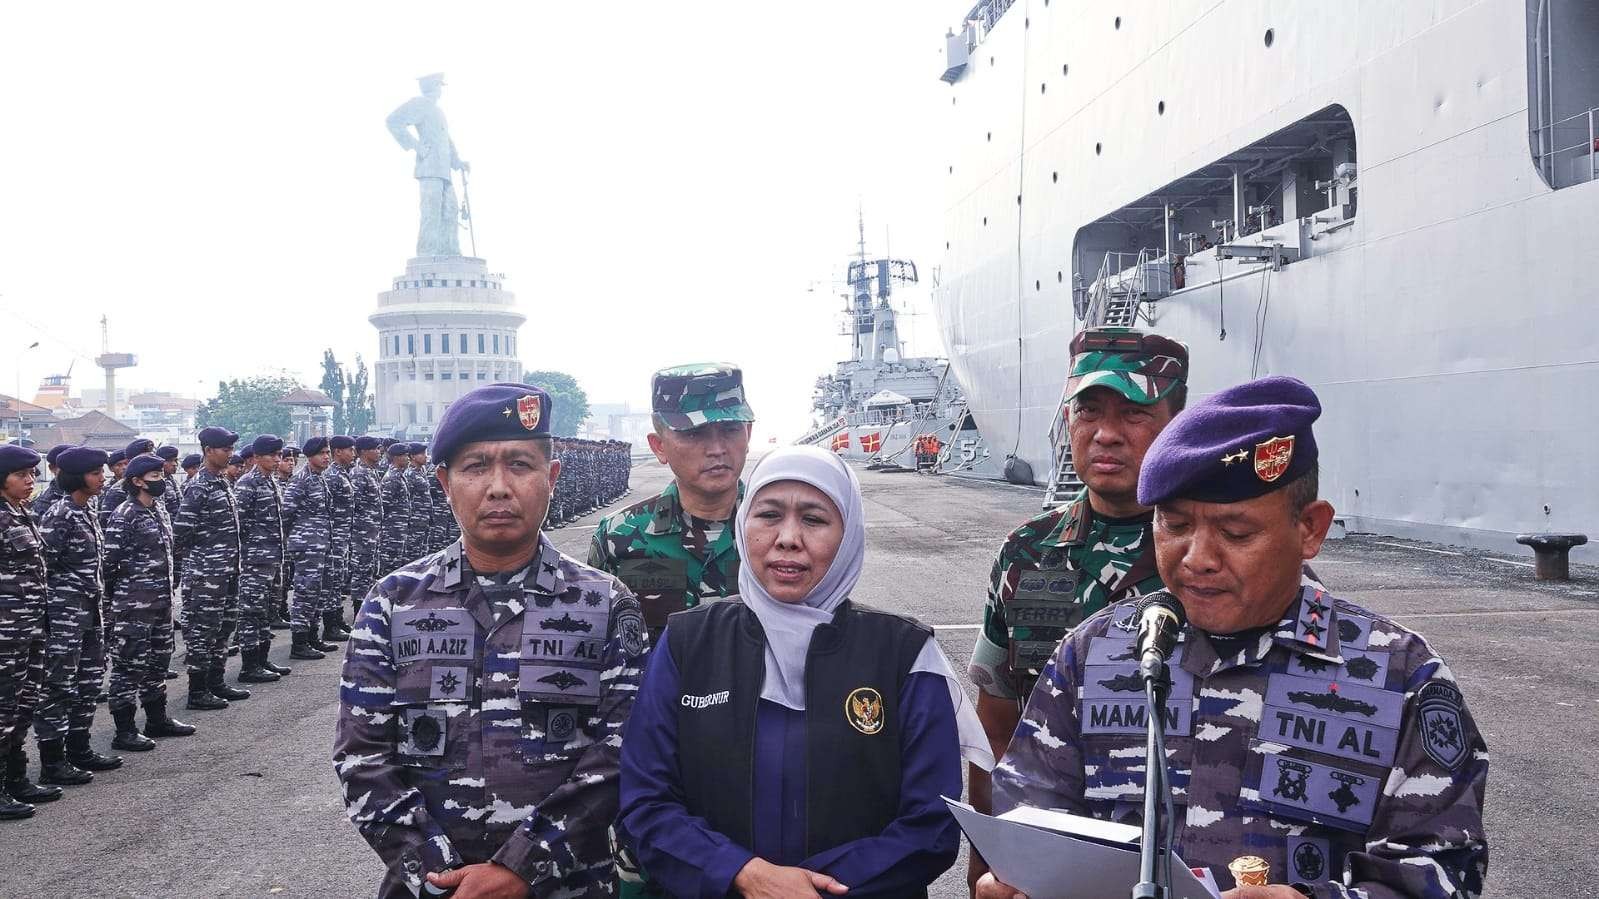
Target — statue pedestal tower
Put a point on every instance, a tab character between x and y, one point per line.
446	327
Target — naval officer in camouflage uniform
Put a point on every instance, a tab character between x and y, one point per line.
75	654
393	545
23	593
1303	729
367	527
52	491
676	548
205	540
1067	563
308	522
486	685
421	508
260	501
341	510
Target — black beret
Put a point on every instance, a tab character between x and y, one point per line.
56	451
139	446
397	450
143	465
340	441
246	454
362	444
266	444
315	445
495	412
15	457
117	456
168	452
192	460
218	438
81	460
1243	442
413	448
235	459
290	450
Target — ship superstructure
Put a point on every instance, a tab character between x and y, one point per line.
1391	201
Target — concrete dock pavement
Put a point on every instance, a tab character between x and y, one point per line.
249	806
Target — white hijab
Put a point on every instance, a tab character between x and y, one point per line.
789	626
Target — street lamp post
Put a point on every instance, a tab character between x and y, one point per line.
18	397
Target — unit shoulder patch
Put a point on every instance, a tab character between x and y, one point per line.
1438	715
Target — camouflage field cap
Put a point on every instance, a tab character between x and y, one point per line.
1142	367
687	396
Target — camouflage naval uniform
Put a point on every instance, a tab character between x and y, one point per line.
46	499
365	533
394	545
139	580
260	502
23	595
670	559
75	655
442	529
341	510
421	513
306	519
110	500
1336	746
206	537
1050	574
482	720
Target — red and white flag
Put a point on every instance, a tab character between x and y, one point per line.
840	441
871	443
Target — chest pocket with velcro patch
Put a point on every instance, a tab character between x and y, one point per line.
661	586
562	654
1039	612
435	657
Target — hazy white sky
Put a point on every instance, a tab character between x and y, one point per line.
660	183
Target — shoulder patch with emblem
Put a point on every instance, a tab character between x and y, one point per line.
1443	733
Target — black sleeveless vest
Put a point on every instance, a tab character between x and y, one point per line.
853	676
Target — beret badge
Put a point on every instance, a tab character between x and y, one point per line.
527	409
1273	457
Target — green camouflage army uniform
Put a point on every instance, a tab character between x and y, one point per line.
672	560
1068	563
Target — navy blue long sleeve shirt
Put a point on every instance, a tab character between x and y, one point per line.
686	857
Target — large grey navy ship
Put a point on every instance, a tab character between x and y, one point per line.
1392	201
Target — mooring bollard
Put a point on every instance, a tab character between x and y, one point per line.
1552	553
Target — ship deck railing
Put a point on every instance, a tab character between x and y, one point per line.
1583	154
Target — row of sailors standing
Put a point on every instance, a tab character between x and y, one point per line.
92	567
709	708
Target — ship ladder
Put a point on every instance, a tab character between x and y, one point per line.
1064	483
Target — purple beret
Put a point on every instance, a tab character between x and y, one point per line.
56	451
139	446
413	448
235	459
362	444
81	459
246	454
1243	442
399	449
266	444
218	438
495	412
192	460
290	450
14	457
168	452
340	441
117	456
142	465
315	445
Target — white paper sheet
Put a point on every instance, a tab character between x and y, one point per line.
1054	855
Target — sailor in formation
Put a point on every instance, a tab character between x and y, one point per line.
307	520
341	513
205	538
260	505
596	475
394	541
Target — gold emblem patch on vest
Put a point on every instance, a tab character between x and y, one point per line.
1272	457
864	710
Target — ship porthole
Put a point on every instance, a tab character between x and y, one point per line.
1118	23
1160	108
1271	35
1065	68
1098	149
1054	177
1043	88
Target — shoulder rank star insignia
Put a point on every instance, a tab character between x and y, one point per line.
1239	456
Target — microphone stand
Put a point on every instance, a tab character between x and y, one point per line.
1157	686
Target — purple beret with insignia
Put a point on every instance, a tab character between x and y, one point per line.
142	465
495	412
14	457
81	459
1240	443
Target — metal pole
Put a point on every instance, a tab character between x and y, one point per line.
1238	202
1591	149
1166	233
466	210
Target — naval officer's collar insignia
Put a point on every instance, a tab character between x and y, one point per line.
448	576
1073	527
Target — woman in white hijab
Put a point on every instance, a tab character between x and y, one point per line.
790	741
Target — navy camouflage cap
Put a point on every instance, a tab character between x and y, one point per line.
1144	368
687	396
1243	442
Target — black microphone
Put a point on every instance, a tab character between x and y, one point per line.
1160	619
